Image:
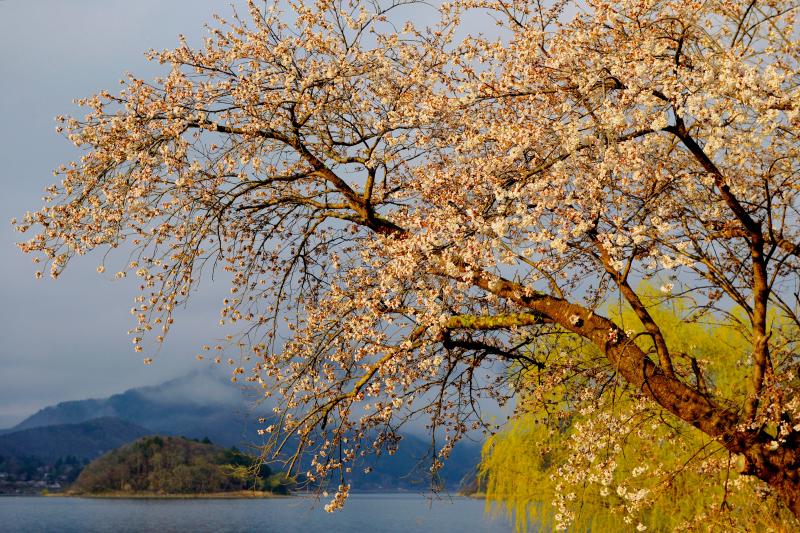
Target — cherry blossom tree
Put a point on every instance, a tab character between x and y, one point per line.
406	210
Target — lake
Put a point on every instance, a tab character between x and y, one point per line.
364	512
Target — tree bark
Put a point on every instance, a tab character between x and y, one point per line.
776	464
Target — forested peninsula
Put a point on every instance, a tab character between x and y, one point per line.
157	466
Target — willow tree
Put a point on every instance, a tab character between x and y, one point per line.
637	470
422	203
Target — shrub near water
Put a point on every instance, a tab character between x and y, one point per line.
175	465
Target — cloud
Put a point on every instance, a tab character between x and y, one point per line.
67	339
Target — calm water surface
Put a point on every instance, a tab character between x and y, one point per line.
364	512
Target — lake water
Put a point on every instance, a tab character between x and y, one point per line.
377	513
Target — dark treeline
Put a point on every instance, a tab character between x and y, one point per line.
32	475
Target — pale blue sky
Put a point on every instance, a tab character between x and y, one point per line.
68	339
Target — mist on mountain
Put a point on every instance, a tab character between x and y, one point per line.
205	404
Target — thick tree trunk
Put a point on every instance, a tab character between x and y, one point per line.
778	468
776	464
789	492
790	495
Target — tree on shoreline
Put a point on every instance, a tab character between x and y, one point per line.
613	458
176	465
403	208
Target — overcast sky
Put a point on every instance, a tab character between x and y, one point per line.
67	339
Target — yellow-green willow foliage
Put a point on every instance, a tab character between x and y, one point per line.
617	462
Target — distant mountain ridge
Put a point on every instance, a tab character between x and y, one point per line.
85	440
203	404
200	404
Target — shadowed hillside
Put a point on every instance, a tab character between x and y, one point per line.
201	404
85	440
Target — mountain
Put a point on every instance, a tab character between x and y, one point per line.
204	404
85	440
408	467
201	404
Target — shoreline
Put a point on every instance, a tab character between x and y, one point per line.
234	495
